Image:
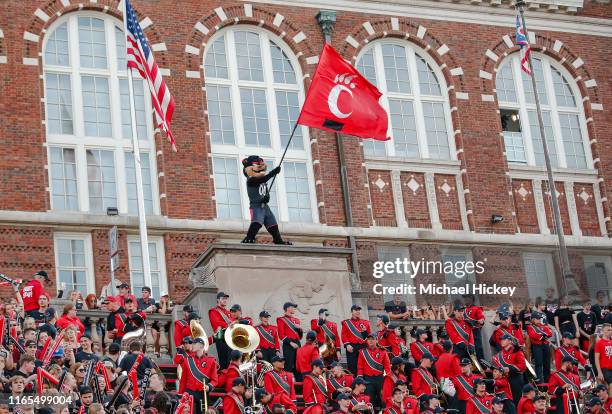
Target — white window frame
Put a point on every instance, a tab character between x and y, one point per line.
161	257
468	278
384	252
87	251
81	143
523	109
607	261
550	270
414	96
239	150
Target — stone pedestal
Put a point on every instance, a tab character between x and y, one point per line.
262	277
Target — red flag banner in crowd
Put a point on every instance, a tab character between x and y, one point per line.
45	348
134	379
2	325
140	57
340	99
42	374
56	344
101	368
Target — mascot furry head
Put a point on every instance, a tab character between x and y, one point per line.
254	166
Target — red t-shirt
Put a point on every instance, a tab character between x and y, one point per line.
30	294
604	348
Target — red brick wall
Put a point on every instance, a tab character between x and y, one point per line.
504	267
562	207
448	203
381	194
587	212
524	202
416	208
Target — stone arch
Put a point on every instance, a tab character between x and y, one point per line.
576	67
400	28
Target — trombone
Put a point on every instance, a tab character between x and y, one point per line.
572	401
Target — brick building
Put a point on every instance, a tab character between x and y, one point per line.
465	143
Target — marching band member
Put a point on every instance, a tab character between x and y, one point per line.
338	381
594	406
564	386
389	380
447	365
387	339
501	385
603	355
324	328
506	327
290	333
396	405
540	404
512	360
539	335
220	319
344	402
197	369
498	406
601	391
226	378
268	338
279	380
305	355
359	401
233	401
569	349
314	389
422	346
464	385
372	364
236	315
460	333
481	402
525	404
354	332
431	402
181	327
268	400
411	403
475	317
130	319
421	380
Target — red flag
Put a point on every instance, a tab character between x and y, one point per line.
340	99
40	374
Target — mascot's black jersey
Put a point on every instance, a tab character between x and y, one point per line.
257	189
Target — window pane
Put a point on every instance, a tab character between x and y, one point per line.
527	83
455	274
288	110
56	50
538	279
248	56
101	180
366	66
255	117
141	115
428	82
298	194
515	146
120	48
504	84
96	106
215	65
563	93
136	268
63	177
572	141
281	66
220	119
396	68
435	127
130	181
227	188
71	264
92	43
404	128
395	279
58	96
538	149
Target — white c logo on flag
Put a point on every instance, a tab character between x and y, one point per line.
334	95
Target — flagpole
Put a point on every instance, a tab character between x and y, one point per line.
142	219
565	264
284	152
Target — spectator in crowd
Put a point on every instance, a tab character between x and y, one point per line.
397	309
565	319
165	304
146	302
33	290
86	353
69	318
124	291
128	361
44	314
77	299
600	306
587	322
91	302
78	371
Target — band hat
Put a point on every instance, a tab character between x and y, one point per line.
187	308
569	335
343	396
384	318
238	381
600	388
236	307
264	314
43	274
528	388
429	356
568	359
497	400
459	306
539	397
397	361
358	381
323	310
123	286
288	305
317	363
146	289
311	335
260	393
355	307
198	341
277	358
222	295
465	361
593	401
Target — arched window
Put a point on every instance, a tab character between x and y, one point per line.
254	95
414	94
564	123
91	164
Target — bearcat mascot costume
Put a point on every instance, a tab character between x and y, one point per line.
254	169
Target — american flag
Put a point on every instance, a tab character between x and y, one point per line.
140	57
523	43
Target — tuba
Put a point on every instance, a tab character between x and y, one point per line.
139	335
198	332
243	338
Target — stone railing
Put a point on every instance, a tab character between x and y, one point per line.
158	334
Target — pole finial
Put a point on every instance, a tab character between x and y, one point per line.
326	20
